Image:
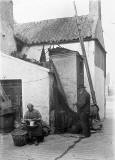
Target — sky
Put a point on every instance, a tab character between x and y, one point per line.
36	10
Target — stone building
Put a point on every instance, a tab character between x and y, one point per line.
31	37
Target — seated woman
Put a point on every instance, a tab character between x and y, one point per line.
32	113
35	133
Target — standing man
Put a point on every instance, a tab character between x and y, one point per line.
83	111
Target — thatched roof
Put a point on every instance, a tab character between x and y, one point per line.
60	30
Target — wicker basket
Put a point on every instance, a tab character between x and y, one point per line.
19	137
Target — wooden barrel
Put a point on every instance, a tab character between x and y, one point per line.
19	137
6	120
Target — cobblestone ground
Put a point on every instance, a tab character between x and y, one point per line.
99	146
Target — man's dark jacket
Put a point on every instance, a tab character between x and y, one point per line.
83	104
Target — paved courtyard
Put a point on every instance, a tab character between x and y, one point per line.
100	146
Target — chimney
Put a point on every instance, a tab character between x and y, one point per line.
95	8
7	41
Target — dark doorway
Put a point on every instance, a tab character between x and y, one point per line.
13	89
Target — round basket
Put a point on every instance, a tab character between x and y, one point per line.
19	137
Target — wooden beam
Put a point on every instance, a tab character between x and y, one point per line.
85	58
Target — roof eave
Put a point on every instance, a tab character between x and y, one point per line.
51	42
62	42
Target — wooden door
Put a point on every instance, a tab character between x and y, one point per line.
13	89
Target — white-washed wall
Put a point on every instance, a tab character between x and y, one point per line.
100	69
99	90
66	66
89	46
35	82
97	73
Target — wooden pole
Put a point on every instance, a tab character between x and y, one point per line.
85	58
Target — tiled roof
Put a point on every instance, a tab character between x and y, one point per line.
54	30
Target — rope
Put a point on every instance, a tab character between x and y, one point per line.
28	81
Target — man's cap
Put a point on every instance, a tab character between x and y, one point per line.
29	105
